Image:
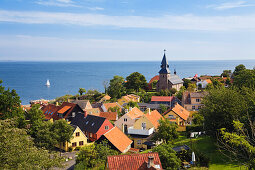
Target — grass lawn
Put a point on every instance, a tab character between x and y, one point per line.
207	146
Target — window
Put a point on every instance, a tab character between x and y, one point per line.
143	126
193	107
197	100
73	114
106	127
77	134
125	119
87	122
80	143
64	144
139	142
74	144
93	124
171	116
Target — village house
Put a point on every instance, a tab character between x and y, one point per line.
105	98
106	106
178	115
92	126
50	111
145	106
67	111
128	119
145	161
116	139
85	105
128	98
78	139
167	100
203	83
192	101
143	128
167	80
151	82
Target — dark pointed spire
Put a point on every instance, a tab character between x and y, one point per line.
164	65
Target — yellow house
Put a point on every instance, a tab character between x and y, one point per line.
128	98
178	115
78	140
143	129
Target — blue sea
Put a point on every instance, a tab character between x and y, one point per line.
29	78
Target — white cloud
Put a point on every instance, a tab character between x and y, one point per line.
58	3
96	8
230	5
170	22
25	47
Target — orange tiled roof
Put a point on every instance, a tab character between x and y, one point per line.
108	105
179	110
208	81
154	117
109	115
107	97
162	98
154	78
118	139
135	113
133	161
64	109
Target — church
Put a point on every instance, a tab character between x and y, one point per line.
166	79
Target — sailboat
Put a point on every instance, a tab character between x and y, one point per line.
47	83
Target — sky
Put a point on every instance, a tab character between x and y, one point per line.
126	30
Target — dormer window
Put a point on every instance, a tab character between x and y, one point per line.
87	122
106	127
92	124
125	119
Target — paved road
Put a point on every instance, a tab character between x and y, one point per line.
69	165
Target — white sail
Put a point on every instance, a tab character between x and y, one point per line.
48	82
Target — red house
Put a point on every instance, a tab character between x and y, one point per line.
93	126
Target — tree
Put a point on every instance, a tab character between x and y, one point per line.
221	107
245	78
106	85
166	131
62	130
163	108
186	83
154	84
167	156
116	88
239	144
180	92
18	150
226	73
132	104
35	114
81	91
198	119
9	103
238	69
136	81
192	87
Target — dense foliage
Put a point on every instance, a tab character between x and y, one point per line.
167	156
136	81
116	88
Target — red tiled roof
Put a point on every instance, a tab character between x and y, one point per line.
154	78
179	110
131	162
68	111
154	118
50	110
162	98
109	115
118	139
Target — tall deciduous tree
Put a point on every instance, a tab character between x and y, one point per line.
18	150
221	107
81	91
116	88
167	156
166	131
238	69
136	81
245	78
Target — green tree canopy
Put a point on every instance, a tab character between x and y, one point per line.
136	81
166	131
245	78
81	91
238	69
116	88
18	150
226	73
167	156
62	130
221	107
186	83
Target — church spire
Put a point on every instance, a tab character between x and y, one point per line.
164	65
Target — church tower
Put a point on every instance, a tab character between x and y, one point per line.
164	75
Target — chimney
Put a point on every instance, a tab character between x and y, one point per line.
149	111
150	161
85	113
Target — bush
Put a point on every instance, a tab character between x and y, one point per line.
194	128
77	148
70	149
201	159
